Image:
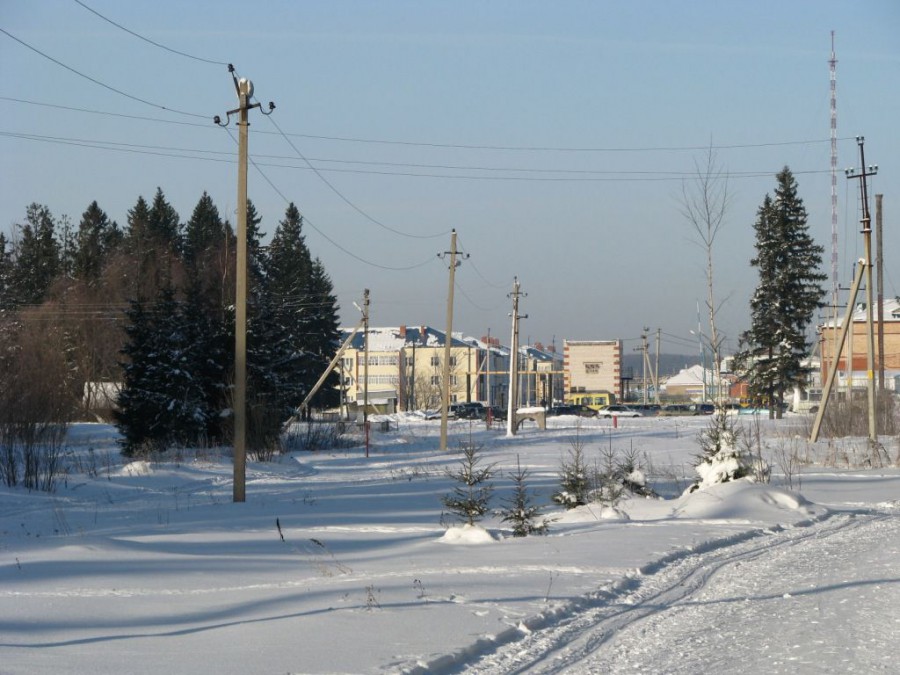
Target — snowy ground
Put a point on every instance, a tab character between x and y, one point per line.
149	567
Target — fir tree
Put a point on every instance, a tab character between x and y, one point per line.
322	332
471	496
163	222
574	481
788	293
161	402
96	240
520	510
205	231
37	256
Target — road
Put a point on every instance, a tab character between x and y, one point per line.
822	598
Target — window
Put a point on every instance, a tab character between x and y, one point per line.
436	380
435	360
452	361
383	360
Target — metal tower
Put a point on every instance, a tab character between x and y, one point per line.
832	62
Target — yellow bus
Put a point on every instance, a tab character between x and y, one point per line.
594	400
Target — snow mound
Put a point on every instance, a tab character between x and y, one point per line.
138	468
592	512
744	501
466	534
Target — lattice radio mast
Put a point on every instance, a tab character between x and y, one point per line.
832	62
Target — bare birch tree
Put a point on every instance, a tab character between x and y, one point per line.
704	204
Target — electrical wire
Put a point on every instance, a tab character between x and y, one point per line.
472	302
98	82
148	40
477	271
322	234
431	145
169	151
345	199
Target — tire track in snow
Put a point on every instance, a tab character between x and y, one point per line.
560	640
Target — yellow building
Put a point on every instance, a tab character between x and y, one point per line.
592	366
405	370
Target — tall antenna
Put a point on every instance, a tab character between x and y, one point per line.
832	62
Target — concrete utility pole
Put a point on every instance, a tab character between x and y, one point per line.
879	266
445	372
866	221
514	360
366	367
244	90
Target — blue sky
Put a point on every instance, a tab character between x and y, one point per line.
555	137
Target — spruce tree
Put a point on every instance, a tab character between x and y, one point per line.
520	510
163	222
471	496
97	238
36	256
788	294
203	232
161	403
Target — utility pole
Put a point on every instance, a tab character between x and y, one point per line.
448	338
244	90
656	370
879	266
366	367
514	359
865	172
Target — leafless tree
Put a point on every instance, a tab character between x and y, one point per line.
704	203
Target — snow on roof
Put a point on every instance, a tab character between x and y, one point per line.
891	308
393	339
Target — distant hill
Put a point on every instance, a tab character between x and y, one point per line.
669	364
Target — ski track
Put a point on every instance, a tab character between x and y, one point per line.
672	616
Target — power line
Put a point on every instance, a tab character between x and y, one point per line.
345	199
322	234
98	82
686	148
148	40
170	151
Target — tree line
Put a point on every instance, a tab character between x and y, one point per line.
151	306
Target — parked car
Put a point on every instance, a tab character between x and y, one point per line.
617	410
647	410
677	410
572	409
471	410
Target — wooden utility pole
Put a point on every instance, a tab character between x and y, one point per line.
829	380
448	338
513	404
866	221
244	90
656	369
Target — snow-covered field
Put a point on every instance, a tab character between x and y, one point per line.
150	567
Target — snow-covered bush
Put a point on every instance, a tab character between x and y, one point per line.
721	457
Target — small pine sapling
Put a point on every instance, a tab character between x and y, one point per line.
721	458
471	497
519	509
574	481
